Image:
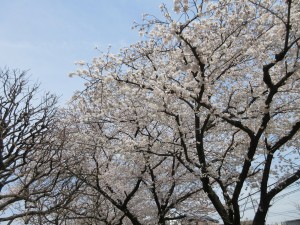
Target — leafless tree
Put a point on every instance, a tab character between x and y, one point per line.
32	179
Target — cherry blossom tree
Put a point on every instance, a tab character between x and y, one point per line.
212	88
121	186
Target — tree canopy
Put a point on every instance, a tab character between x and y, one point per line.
208	100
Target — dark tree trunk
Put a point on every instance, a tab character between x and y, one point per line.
261	213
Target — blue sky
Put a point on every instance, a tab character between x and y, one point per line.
46	37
